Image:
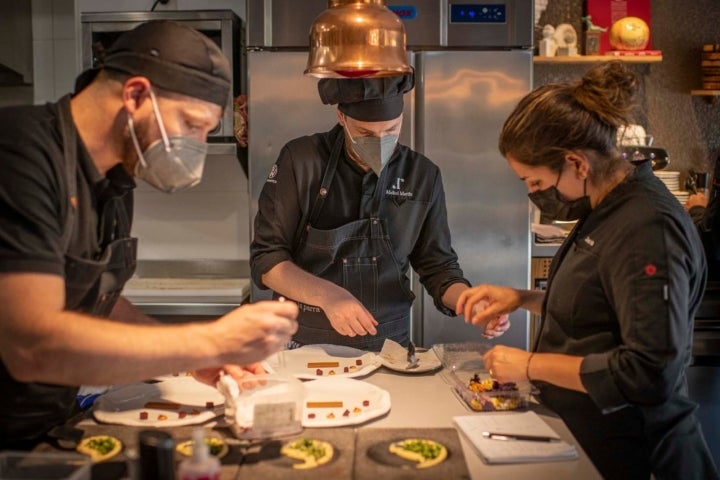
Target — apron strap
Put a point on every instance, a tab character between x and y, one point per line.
327	179
324	188
65	123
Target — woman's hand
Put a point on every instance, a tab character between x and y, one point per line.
507	364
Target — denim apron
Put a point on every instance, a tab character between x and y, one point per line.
357	256
92	286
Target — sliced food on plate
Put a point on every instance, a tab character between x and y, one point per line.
100	447
425	453
342	401
311	362
170	403
312	453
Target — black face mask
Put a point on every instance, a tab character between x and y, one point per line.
554	207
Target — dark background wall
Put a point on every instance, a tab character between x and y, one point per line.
687	126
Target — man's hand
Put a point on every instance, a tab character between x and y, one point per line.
255	331
696	200
348	316
487	306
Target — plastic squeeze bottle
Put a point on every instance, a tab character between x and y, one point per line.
201	465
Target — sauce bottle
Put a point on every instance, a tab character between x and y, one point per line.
201	465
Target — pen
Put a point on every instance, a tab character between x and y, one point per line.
513	436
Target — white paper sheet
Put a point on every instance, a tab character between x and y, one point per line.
513	451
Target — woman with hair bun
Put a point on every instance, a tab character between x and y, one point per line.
617	315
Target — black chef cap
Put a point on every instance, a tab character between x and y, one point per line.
367	99
172	56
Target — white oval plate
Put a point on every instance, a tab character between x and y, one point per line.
352	393
122	405
295	362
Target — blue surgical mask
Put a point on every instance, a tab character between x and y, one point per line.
375	152
169	164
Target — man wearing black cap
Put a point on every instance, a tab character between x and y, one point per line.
65	245
342	216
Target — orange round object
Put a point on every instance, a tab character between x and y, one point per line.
629	33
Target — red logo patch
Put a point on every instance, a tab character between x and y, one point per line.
650	269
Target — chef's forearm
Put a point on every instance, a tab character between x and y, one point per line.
289	280
451	295
532	300
68	348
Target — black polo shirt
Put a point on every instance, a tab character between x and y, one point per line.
34	193
411	199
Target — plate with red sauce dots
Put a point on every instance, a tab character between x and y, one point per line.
323	361
171	403
342	401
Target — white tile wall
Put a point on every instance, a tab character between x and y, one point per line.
43	71
209	221
54	48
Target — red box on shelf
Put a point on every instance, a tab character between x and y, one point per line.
606	12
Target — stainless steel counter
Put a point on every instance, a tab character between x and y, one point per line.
189	288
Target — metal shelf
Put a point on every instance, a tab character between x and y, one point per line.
709	95
575	59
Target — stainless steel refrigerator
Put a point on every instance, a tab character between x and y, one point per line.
473	63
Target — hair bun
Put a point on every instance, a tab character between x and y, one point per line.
608	90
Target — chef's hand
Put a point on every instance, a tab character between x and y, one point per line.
696	200
488	306
347	315
242	374
495	326
506	364
252	332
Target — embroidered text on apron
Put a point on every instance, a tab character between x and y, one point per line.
359	257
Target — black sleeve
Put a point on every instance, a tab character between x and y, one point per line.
708	223
650	280
433	257
31	213
277	220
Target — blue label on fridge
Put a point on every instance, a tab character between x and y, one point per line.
477	13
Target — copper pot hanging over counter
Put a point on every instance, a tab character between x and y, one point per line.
357	38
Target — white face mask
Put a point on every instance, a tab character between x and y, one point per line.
169	164
375	152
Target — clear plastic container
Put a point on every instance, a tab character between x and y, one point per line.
44	466
270	406
466	374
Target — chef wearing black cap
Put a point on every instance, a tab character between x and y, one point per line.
65	245
344	214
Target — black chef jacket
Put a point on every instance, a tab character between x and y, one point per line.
622	293
33	219
413	204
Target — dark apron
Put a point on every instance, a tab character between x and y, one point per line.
357	256
29	410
